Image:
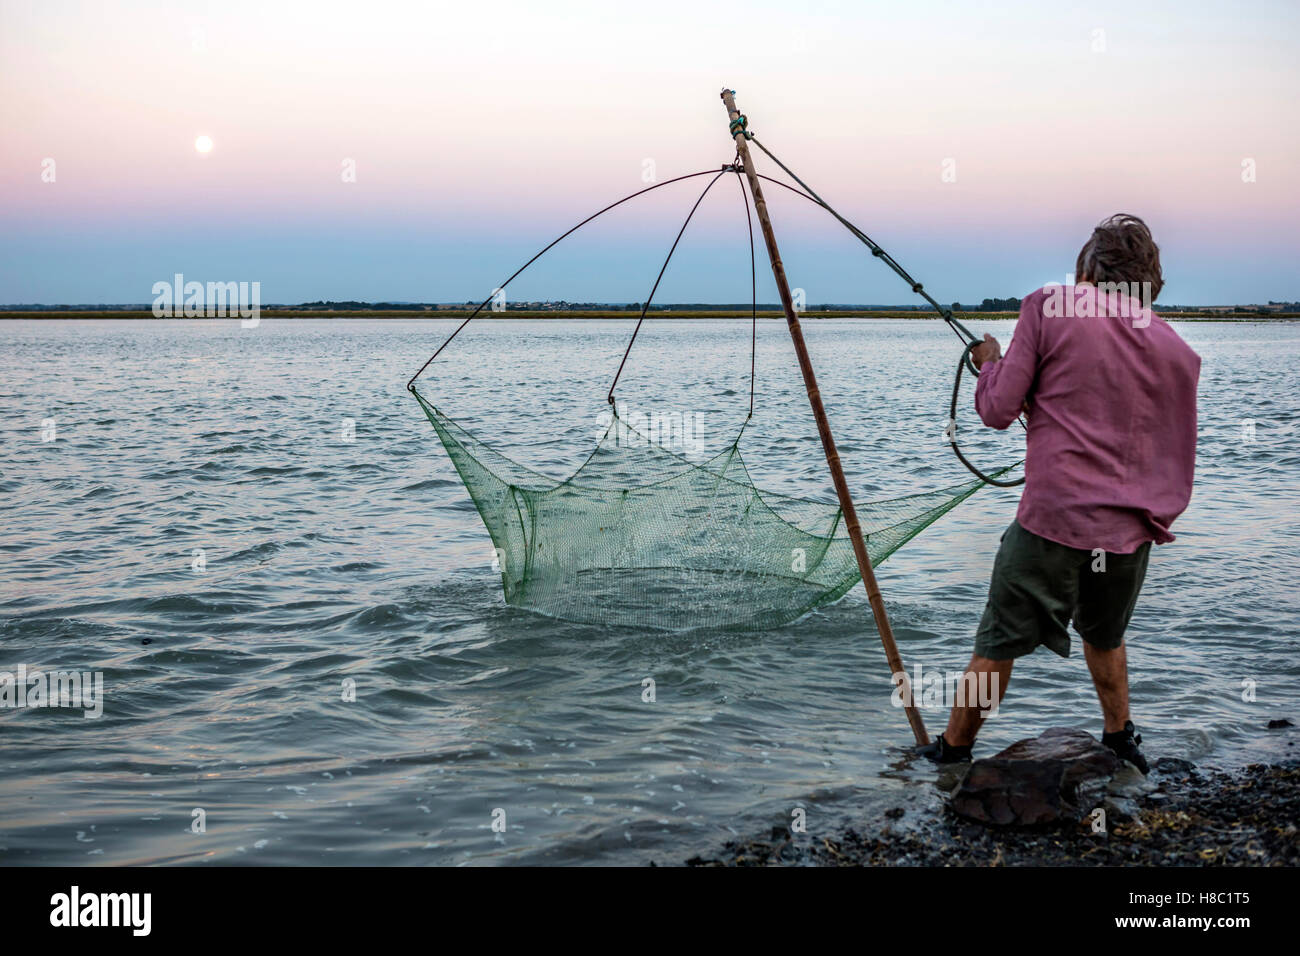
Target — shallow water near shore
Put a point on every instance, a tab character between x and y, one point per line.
337	543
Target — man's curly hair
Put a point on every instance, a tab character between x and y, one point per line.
1121	249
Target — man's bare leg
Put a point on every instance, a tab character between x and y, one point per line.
964	721
1109	671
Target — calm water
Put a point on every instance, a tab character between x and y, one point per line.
330	558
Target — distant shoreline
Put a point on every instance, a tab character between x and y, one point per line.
595	314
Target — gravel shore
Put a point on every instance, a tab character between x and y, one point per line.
1190	818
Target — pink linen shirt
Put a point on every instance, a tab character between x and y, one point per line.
1111	443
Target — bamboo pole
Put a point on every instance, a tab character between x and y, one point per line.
824	429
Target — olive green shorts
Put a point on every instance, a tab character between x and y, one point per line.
1039	586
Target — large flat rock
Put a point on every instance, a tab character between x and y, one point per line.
1059	775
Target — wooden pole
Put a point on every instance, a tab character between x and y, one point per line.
824	429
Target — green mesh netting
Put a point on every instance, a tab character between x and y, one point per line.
641	536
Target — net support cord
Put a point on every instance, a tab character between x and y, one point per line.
852	525
963	333
717	174
806	191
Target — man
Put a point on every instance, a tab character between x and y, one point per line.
1110	392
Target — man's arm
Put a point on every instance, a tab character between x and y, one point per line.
1005	381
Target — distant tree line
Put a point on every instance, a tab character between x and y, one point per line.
990	305
351	305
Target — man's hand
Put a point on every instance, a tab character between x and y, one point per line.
987	351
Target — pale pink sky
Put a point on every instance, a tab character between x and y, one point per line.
479	131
